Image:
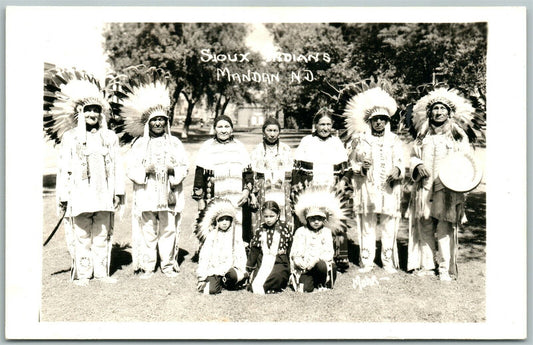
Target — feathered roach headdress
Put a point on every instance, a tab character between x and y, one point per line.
66	92
318	200
371	100
217	208
461	113
143	95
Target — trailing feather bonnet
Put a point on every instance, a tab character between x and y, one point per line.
143	95
217	208
461	114
66	93
318	200
371	99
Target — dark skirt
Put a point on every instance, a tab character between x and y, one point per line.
279	276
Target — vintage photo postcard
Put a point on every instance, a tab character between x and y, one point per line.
265	173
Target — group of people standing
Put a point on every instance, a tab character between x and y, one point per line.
267	220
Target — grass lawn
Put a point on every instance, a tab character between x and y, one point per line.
373	297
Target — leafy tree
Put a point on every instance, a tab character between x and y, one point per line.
301	99
412	56
176	47
131	44
416	55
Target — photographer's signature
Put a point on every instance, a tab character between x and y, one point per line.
359	283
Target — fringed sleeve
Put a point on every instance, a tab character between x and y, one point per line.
205	256
136	171
397	156
239	255
298	250
64	172
416	158
118	168
181	167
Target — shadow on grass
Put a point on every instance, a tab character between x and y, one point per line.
476	206
120	257
182	253
61	272
472	235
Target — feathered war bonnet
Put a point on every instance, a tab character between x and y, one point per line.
372	99
217	208
321	201
144	94
66	93
460	117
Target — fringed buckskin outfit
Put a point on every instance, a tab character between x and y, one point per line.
321	162
157	165
436	210
312	250
90	172
268	260
158	201
312	258
223	170
376	196
222	258
272	164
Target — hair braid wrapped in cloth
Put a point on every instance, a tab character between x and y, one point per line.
65	92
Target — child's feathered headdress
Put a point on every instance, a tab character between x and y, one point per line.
371	99
461	113
217	208
143	93
324	201
66	92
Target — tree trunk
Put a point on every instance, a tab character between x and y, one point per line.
226	102
188	120
217	106
174	102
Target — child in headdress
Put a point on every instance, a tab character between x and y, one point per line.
268	261
222	258
312	250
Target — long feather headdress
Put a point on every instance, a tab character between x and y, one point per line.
65	90
143	94
461	112
217	208
327	201
371	99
